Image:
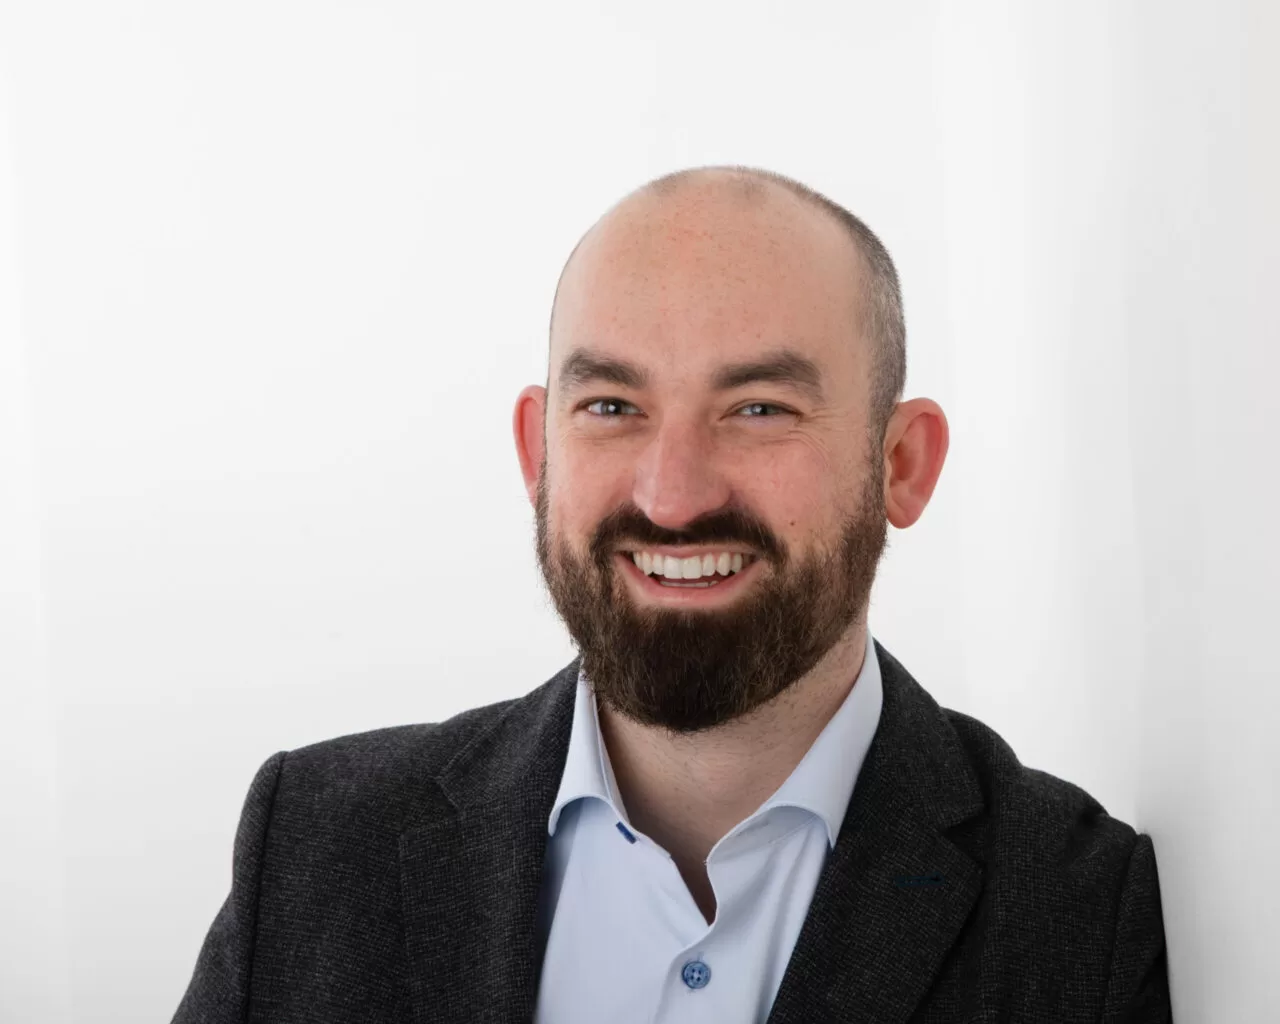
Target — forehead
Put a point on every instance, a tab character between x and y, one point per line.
683	285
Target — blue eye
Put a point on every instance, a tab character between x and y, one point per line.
607	402
763	405
600	407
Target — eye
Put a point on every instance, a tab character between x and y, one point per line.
766	405
607	403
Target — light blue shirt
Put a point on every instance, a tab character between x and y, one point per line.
625	940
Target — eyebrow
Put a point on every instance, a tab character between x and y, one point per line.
783	366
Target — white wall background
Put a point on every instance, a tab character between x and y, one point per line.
271	275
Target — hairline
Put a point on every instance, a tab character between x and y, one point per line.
881	318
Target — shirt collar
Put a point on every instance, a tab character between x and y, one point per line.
821	783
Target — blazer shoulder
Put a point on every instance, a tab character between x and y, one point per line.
1035	815
424	742
380	778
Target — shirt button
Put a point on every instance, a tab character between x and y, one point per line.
696	974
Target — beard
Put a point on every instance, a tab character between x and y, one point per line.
689	670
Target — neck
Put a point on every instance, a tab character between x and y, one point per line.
687	791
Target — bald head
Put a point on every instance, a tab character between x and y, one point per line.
748	214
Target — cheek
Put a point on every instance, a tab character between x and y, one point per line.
585	489
799	496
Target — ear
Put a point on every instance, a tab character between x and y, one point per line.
915	446
527	425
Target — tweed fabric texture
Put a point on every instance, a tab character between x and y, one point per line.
394	876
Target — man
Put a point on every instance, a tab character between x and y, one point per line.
734	805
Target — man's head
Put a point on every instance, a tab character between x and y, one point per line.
726	363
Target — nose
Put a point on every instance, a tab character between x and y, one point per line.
677	478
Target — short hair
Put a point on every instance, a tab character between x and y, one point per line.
883	322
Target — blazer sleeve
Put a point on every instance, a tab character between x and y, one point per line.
1138	987
219	989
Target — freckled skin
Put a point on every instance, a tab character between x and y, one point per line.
705	710
690	285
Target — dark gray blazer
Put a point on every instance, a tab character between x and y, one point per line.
394	876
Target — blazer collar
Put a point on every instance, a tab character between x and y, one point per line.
888	906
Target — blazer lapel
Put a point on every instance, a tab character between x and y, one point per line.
470	880
896	891
889	904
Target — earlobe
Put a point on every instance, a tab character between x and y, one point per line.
527	425
916	445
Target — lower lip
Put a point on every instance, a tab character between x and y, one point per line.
723	590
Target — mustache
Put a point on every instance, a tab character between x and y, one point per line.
722	526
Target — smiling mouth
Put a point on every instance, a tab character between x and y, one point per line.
670	573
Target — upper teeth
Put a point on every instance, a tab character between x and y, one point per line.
690	568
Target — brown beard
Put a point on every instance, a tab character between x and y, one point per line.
692	670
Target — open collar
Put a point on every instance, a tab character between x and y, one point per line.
888	906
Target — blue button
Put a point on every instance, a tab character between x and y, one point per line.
623	829
696	974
